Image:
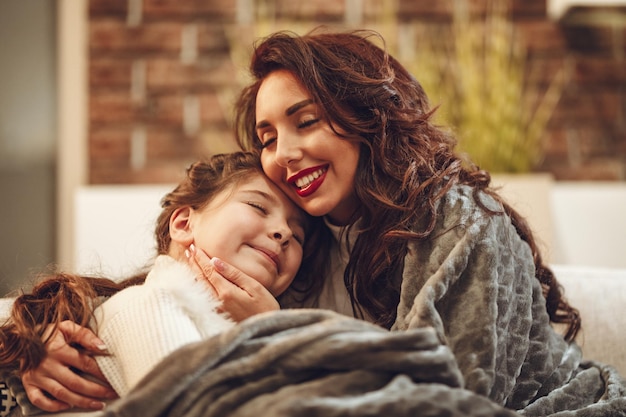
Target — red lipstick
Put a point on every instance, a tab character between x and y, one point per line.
311	177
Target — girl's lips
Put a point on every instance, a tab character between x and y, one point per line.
307	181
270	255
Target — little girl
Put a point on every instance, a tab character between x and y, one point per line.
227	208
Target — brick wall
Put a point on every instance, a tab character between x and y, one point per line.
588	131
163	74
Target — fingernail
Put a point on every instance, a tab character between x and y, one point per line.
187	253
101	346
192	248
218	264
97	405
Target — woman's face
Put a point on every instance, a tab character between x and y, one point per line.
255	228
309	162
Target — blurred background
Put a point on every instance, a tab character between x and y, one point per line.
96	94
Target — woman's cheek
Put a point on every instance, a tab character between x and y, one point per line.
268	162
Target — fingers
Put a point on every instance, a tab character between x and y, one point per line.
81	335
233	275
200	263
58	382
42	401
60	351
208	266
241	295
85	363
52	395
76	390
64	389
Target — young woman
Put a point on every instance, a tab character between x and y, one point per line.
225	207
421	238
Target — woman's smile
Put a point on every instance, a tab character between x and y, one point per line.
308	180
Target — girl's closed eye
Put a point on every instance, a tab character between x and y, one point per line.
258	206
298	237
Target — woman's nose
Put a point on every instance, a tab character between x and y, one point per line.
287	151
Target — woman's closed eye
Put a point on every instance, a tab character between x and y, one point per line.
307	122
269	137
265	142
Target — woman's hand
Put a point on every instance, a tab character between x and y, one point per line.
55	384
241	295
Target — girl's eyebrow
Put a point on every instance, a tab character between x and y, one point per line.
262	194
290	110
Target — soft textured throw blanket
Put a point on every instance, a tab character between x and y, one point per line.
308	363
319	363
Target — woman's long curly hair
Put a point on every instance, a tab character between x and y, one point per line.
59	297
406	165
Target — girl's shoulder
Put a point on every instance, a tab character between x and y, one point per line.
168	279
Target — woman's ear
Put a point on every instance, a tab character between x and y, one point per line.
180	226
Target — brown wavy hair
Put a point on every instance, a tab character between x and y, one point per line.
406	165
61	296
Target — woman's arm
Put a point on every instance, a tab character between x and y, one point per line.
66	376
47	351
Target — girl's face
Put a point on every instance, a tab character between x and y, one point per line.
301	153
255	228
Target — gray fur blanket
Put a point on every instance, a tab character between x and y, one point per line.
319	363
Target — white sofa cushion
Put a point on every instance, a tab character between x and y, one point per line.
599	294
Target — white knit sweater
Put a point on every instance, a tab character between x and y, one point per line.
142	324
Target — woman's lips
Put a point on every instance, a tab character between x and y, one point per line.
307	181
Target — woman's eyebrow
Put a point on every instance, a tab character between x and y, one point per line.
294	108
290	110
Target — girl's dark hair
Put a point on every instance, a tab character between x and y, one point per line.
61	296
406	164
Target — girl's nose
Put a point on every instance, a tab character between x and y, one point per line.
282	235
